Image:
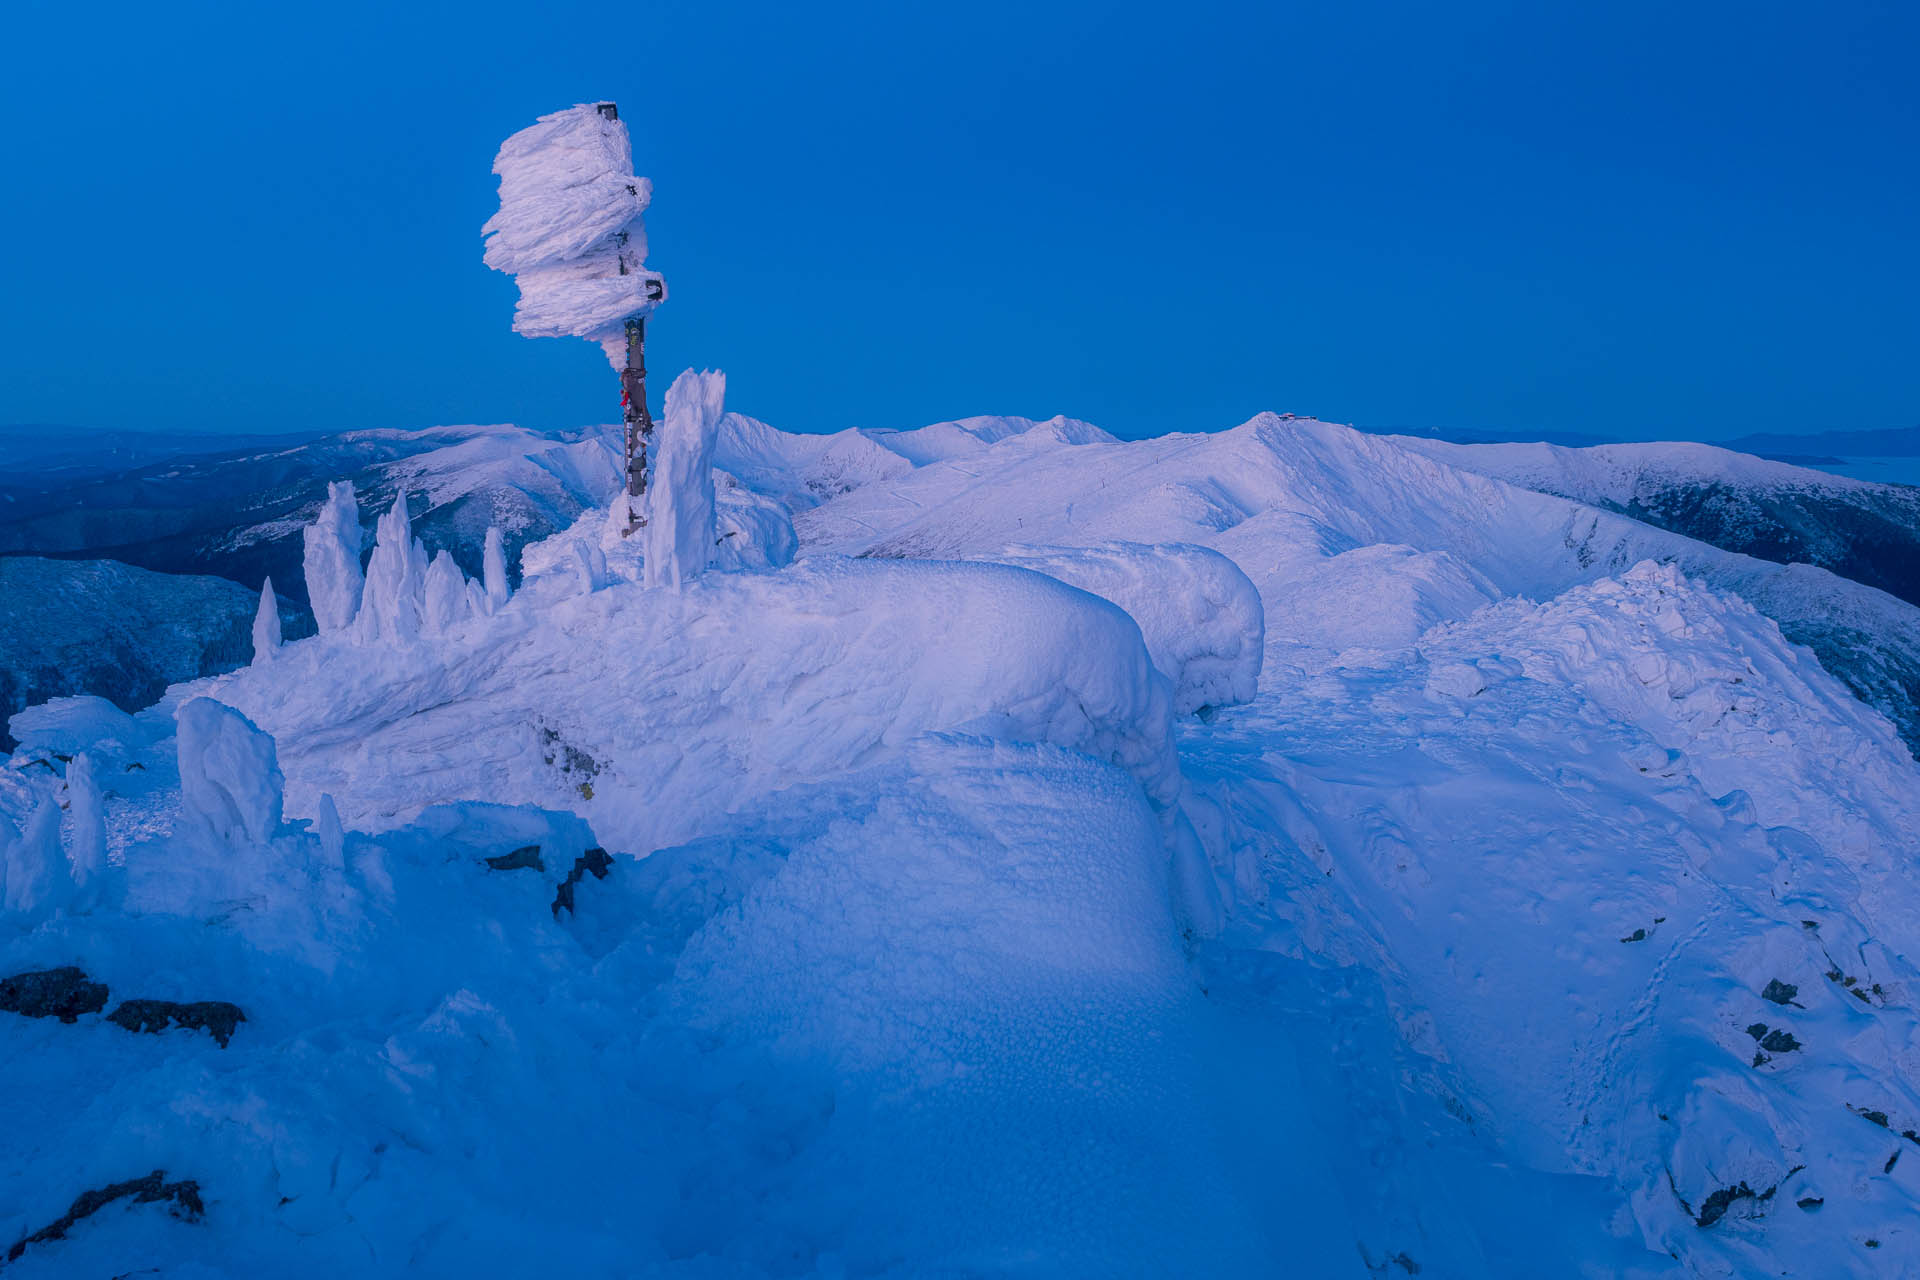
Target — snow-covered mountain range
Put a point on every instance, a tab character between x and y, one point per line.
1277	851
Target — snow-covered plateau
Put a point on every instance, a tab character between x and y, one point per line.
993	849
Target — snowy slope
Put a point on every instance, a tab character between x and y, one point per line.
1312	510
1770	510
1518	901
100	627
237	514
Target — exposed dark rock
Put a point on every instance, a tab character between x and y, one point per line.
214	1016
61	993
184	1196
1715	1206
1892	1160
1777	1040
594	860
1780	992
1810	1203
1638	935
1878	1117
527	855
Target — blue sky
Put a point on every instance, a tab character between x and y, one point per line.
1628	218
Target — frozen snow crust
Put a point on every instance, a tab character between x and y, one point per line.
1530	906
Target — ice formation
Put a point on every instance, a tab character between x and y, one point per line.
266	624
445	602
331	556
390	603
88	857
493	569
570	228
229	776
37	875
680	519
331	835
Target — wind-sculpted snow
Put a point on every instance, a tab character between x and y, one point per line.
651	712
1200	616
680	499
570	228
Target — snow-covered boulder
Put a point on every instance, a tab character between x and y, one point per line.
1199	614
229	776
570	229
331	556
680	501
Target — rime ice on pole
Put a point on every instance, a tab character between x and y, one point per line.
570	229
680	525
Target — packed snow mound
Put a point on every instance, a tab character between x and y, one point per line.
1199	615
650	712
570	228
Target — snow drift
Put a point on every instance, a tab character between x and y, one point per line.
648	712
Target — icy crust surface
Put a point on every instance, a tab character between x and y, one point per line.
570	228
1198	613
650	712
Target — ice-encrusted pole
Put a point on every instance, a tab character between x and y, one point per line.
571	233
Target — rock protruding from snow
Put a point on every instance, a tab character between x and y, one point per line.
680	523
1199	614
390	606
493	569
332	559
570	228
266	625
229	773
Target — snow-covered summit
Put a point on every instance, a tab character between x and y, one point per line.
999	885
